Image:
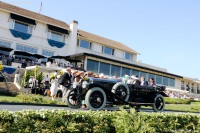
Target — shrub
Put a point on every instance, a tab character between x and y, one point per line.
57	121
169	100
132	122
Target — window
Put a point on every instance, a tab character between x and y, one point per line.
107	50
135	72
126	71
47	53
144	74
21	27
128	56
56	36
26	48
152	76
165	81
104	68
182	85
85	44
198	89
115	70
159	79
192	90
92	66
172	82
5	44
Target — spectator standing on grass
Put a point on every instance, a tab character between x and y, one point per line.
66	81
54	86
185	96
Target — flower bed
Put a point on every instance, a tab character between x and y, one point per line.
97	121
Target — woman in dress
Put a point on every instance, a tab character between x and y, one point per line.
54	86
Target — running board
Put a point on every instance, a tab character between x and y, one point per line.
136	103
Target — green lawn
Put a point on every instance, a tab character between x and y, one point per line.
9	98
180	107
183	107
31	98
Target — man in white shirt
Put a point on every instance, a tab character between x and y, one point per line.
47	79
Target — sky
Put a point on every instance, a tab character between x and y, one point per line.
166	33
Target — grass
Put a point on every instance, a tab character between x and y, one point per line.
9	98
180	107
30	98
183	107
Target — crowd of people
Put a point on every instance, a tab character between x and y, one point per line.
135	80
71	76
173	94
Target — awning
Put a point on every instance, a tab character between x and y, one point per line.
22	19
57	29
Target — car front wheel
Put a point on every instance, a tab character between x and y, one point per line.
159	103
73	101
95	98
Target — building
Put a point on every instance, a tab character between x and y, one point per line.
28	31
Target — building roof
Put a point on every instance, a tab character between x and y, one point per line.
105	41
48	20
33	15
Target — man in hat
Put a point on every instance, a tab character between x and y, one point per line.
136	80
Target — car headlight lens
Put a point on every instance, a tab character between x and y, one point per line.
85	84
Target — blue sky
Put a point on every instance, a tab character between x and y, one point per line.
166	33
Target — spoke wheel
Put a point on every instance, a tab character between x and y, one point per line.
95	99
159	103
121	90
73	101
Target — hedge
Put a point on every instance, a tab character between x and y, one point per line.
62	121
169	100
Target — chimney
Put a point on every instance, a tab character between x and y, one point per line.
73	37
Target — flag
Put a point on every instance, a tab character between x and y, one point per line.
40	7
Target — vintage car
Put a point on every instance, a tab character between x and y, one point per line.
98	92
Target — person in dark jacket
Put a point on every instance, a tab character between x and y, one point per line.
67	81
143	82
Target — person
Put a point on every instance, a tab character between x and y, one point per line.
101	76
47	79
30	82
125	79
77	78
54	86
73	73
142	81
66	82
135	80
46	85
152	82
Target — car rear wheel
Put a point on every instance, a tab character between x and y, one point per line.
121	90
95	98
72	100
159	103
